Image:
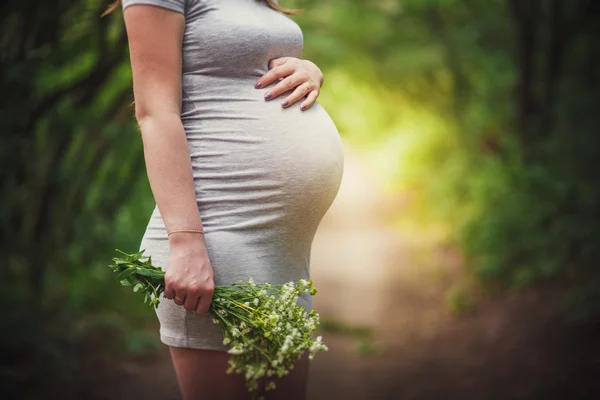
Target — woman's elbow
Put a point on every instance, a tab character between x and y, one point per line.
152	116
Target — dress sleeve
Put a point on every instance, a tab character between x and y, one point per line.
175	5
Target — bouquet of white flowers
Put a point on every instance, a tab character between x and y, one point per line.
265	327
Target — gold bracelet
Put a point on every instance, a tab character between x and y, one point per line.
186	230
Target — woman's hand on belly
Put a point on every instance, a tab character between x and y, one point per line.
189	277
303	75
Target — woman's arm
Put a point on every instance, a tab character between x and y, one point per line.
155	40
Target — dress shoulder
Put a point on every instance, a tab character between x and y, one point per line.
174	5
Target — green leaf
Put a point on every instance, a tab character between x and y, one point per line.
138	286
151	273
126	274
136	256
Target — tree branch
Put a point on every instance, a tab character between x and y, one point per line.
83	86
559	36
525	14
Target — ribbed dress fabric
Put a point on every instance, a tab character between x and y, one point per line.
264	175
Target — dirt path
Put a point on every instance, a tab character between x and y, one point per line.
367	273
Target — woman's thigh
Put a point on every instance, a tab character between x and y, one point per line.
201	375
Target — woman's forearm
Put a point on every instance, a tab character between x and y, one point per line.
155	37
169	171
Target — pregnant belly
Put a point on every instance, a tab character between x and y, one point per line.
258	166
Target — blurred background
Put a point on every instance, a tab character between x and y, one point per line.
459	260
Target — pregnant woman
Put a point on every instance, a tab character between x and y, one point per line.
242	162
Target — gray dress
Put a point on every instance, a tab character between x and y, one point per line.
264	175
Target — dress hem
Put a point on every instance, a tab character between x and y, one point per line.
189	343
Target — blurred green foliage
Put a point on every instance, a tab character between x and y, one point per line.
365	344
73	187
336	327
484	111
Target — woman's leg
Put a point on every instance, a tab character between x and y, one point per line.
293	385
201	376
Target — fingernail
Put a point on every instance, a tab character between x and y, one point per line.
302	107
258	85
284	103
268	96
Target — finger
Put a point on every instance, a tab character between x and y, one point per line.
169	289
169	292
276	62
191	301
179	298
199	307
298	94
276	73
287	84
204	303
310	100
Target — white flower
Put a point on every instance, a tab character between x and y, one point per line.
235	350
260	372
278	326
